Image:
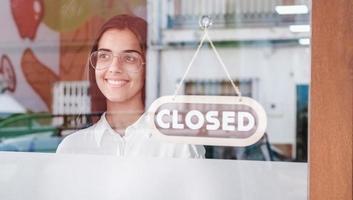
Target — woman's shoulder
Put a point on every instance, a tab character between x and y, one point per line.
75	139
81	134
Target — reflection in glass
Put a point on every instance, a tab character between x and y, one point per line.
44	74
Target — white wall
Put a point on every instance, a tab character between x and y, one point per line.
278	70
45	47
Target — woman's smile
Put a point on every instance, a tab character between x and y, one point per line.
116	82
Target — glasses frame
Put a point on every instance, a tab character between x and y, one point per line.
113	56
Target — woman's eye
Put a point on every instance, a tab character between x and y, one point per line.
130	59
103	56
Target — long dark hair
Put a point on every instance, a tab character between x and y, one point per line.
137	26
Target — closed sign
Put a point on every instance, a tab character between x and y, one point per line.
208	120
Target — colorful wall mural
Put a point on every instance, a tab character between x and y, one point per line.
45	41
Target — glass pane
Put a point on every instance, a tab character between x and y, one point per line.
60	96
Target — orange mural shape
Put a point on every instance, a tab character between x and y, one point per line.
27	15
74	51
38	75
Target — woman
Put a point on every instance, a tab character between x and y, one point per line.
117	79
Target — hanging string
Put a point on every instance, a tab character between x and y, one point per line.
190	64
236	88
205	22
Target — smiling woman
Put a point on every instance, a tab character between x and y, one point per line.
120	78
117	77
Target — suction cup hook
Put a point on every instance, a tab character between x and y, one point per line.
205	22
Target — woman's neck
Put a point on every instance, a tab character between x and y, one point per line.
120	115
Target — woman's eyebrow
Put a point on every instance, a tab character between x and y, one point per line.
103	49
131	51
125	51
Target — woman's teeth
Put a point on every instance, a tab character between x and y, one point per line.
117	82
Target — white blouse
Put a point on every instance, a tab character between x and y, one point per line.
137	141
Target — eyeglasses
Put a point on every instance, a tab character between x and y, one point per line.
130	61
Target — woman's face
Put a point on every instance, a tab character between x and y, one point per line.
115	82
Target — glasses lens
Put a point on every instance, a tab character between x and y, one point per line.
101	59
131	61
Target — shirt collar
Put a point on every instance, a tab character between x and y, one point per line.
102	126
